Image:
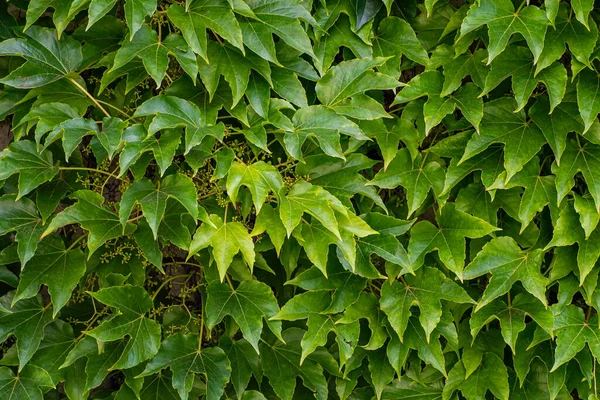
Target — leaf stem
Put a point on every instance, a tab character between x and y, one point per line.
89	169
79	239
84	90
166	281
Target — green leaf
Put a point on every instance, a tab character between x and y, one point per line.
136	12
248	304
418	177
33	167
48	58
183	355
507	263
282	18
54	266
582	9
323	124
101	223
26	320
138	142
567	231
581	39
21	216
500	124
503	21
281	364
587	97
579	156
512	317
492	376
351	78
261	178
573	331
27	384
453	226
154	53
221	61
200	15
226	239
430	84
153	199
304	197
395	38
517	63
470	64
340	178
244	363
144	334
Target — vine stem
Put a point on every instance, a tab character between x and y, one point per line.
166	281
84	90
79	239
89	169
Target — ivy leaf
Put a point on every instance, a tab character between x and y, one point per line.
582	9
200	15
154	199
539	191
580	38
587	97
244	363
221	63
48	58
426	289
182	353
507	263
172	112
516	62
261	178
281	364
154	54
395	37
101	223
492	376
579	156
54	266
503	21
512	317
137	142
573	331
325	125
556	124
26	320
144	334
282	18
453	226
314	200
226	239
417	177
28	384
21	216
350	78
33	167
500	124
136	12
97	363
568	230
430	83
268	220
340	178
248	304
72	132
46	116
471	64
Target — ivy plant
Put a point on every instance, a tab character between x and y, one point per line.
288	199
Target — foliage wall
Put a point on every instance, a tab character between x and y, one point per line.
254	199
